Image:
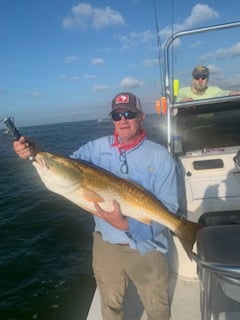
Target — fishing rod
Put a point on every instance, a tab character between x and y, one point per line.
159	47
12	130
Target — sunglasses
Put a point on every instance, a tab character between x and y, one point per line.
200	76
117	116
123	159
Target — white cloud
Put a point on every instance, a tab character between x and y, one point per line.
130	83
83	16
98	88
74	78
89	76
200	13
223	53
196	44
151	62
214	70
64	77
134	38
71	58
97	61
143	36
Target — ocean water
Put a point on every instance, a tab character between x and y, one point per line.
46	241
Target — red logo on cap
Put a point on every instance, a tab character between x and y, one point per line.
122	99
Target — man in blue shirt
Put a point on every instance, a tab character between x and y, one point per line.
123	247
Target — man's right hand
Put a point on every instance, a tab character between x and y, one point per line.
25	148
186	99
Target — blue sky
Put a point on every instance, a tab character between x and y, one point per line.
64	60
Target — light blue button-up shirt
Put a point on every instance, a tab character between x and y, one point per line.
150	165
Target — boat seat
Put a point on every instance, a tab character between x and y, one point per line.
231	289
229	316
219	244
218	258
213	218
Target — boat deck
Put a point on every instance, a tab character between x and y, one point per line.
184	295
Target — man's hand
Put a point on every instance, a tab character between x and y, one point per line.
234	93
186	99
24	148
114	217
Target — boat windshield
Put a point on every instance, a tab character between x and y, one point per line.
209	127
203	122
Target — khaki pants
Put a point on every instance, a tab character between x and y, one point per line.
113	264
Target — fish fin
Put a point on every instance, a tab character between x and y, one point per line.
91	196
187	234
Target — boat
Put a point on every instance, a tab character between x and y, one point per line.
108	119
204	138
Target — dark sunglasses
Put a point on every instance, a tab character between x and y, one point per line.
200	76
117	116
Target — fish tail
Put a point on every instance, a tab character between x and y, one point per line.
187	234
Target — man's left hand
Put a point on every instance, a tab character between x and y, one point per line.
114	217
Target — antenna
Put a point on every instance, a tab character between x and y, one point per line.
159	45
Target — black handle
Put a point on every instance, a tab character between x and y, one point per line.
11	128
236	159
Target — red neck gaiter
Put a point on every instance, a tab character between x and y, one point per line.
125	147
